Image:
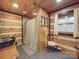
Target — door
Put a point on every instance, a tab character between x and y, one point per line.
43	37
43	32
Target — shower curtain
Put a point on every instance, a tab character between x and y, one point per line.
31	36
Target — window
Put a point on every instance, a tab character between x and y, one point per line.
44	21
66	23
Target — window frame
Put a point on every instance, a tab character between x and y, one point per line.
65	33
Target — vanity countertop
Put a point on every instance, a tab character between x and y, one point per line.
6	42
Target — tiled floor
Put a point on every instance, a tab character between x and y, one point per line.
43	55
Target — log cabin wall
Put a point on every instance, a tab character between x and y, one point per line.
10	25
66	43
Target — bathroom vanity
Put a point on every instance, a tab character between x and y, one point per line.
8	49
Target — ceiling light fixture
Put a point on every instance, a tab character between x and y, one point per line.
59	1
35	14
35	8
24	12
15	5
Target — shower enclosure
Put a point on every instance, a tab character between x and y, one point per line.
30	33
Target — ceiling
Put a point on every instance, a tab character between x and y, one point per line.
52	6
26	6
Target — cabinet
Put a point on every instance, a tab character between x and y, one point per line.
9	52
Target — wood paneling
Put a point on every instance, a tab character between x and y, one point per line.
27	6
10	25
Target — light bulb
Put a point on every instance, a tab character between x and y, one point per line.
15	5
59	1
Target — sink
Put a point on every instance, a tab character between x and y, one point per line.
6	42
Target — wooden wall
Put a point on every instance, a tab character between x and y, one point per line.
10	25
67	43
42	30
